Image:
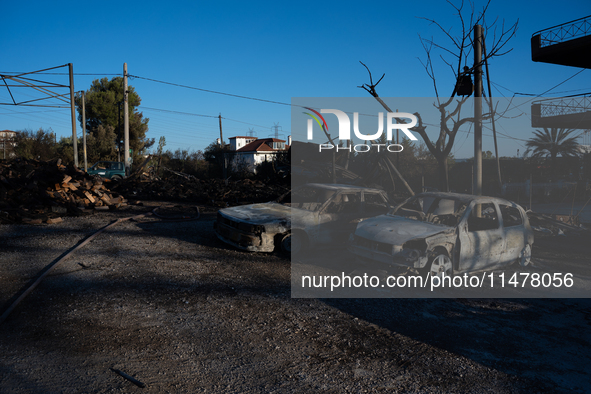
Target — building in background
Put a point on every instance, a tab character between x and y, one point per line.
249	152
7	144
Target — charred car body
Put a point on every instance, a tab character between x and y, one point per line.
436	233
311	215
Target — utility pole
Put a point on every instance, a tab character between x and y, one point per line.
398	142
119	130
221	137
84	129
73	111
492	112
477	110
224	164
125	121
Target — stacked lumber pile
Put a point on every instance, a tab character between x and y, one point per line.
42	192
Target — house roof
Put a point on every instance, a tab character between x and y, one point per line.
260	146
257	146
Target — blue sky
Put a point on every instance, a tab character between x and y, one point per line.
267	50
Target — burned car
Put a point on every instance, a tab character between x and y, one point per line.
310	215
436	233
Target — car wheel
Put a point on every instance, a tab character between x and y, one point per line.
439	264
116	178
525	256
293	243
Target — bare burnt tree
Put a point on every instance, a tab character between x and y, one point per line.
456	53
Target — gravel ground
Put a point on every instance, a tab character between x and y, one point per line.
172	306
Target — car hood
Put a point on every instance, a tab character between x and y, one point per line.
266	213
396	230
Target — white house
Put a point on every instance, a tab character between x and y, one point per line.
239	142
251	151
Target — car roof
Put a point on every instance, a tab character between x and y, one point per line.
339	186
464	197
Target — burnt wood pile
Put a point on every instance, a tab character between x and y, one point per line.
42	192
210	192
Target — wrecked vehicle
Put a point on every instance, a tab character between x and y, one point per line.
446	233
310	215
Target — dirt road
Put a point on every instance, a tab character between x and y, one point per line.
178	310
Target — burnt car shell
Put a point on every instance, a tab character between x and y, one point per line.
313	214
466	233
253	227
394	241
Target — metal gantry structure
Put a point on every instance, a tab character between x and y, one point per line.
573	112
49	96
567	44
564	32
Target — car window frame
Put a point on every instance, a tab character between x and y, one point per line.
324	207
468	213
519	211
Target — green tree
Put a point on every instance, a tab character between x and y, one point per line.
65	150
38	145
99	145
215	155
189	162
104	107
553	142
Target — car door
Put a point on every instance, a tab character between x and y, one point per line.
515	232
101	168
338	218
481	237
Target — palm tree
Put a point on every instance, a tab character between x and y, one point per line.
553	142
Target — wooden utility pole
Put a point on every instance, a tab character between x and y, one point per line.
221	137
224	163
125	122
492	114
73	111
397	142
84	129
531	189
477	110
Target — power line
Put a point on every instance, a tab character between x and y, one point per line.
239	121
94	74
552	88
193	114
178	112
210	91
